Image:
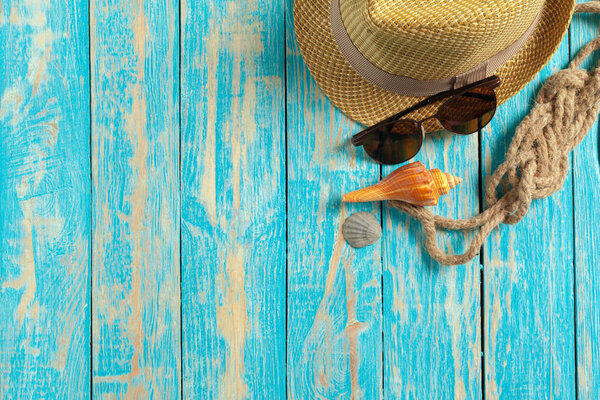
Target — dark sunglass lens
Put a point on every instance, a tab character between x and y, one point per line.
469	112
394	143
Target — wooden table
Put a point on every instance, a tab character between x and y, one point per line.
170	183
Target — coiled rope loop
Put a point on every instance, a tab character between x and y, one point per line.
537	160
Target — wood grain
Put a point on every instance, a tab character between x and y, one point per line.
431	313
586	191
529	320
334	292
135	152
44	200
233	205
272	302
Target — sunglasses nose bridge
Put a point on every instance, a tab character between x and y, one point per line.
430	118
427	119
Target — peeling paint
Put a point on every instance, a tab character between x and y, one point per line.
353	331
44	197
27	279
136	256
232	318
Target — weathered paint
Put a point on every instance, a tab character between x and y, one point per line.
586	192
234	214
334	292
44	200
233	199
528	276
431	313
135	153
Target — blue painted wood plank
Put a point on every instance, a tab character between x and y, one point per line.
586	191
528	278
44	200
233	204
135	152
431	313
334	292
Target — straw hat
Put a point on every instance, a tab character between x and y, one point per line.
374	58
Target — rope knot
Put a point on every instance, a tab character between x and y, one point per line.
566	79
537	161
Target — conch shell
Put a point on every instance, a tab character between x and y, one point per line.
412	183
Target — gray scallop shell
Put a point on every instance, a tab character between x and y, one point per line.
361	230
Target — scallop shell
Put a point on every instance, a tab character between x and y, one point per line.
412	183
361	230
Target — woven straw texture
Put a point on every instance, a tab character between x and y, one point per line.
459	34
424	39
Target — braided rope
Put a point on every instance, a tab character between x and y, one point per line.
537	160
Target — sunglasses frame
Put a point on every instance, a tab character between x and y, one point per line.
493	82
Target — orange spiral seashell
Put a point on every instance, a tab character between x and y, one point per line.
412	183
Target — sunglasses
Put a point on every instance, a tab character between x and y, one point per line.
396	139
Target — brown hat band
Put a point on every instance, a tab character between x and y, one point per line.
413	87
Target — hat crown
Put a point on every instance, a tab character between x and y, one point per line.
435	39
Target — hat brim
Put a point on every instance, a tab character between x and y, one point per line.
368	104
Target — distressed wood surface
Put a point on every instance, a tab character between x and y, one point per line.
334	341
44	200
135	153
431	313
246	179
528	325
233	204
586	192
